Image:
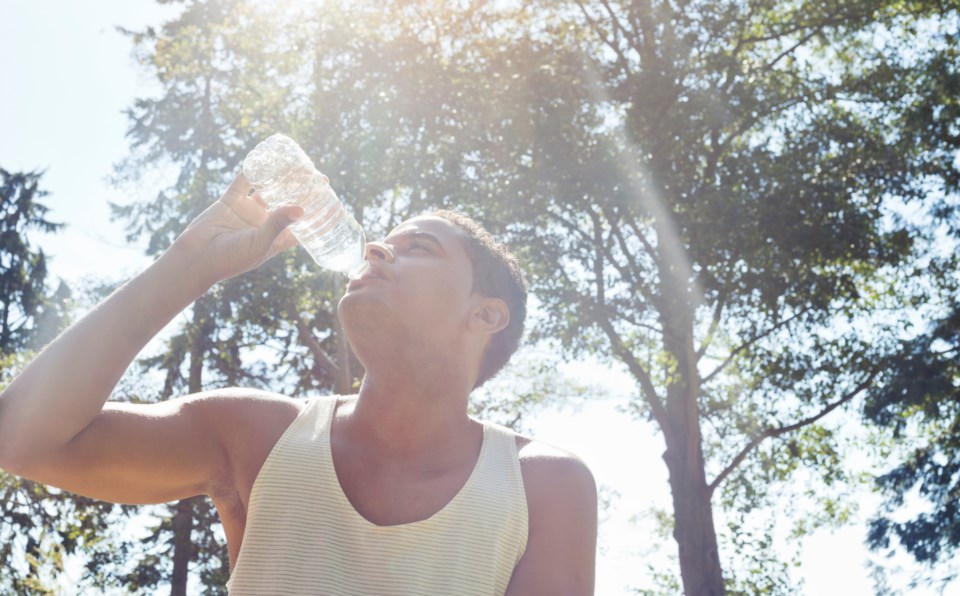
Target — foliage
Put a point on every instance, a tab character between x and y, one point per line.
920	406
706	192
40	526
624	145
712	192
530	381
621	147
31	314
917	403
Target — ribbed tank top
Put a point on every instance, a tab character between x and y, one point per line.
303	536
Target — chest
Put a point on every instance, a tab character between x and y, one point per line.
388	493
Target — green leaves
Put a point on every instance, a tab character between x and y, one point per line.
39	526
737	199
922	392
31	314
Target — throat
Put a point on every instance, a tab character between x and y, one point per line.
413	424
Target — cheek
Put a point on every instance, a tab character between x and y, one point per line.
440	300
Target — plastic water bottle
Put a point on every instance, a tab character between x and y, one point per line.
282	173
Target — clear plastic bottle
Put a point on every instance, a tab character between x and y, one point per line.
284	175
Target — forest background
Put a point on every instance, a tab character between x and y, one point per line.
738	219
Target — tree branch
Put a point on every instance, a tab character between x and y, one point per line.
622	60
571	226
638	372
617	23
646	245
629	271
714	324
633	321
769	65
311	343
798	27
598	260
741	43
749	343
781	430
647	51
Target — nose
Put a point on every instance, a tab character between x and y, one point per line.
378	251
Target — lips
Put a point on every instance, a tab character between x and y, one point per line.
373	272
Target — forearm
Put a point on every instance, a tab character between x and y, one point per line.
64	388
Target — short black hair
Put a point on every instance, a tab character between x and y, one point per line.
496	274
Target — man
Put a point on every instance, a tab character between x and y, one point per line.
393	491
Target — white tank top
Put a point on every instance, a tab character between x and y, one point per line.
303	536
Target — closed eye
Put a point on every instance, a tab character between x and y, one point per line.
420	245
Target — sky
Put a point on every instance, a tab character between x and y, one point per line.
67	77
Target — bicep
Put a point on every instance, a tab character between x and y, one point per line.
560	557
139	454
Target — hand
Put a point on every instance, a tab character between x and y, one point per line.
237	233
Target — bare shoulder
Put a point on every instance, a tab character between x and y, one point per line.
547	468
560	557
233	402
246	418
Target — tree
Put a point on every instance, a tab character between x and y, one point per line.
623	146
702	190
919	405
706	193
918	400
39	526
195	57
924	389
31	314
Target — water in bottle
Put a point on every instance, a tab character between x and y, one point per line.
283	175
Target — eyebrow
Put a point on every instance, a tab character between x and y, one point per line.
419	235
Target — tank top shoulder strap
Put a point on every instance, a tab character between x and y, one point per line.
500	472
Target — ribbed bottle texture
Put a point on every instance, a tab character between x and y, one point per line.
283	175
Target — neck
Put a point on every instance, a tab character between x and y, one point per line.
409	414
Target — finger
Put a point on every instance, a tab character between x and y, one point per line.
250	207
259	199
285	241
237	190
275	225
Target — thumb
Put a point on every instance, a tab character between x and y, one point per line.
276	223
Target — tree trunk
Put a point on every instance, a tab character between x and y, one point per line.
693	529
344	382
182	546
5	328
202	325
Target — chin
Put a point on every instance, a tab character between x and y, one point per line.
362	317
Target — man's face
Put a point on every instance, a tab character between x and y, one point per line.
418	289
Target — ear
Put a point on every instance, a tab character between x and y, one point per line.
489	316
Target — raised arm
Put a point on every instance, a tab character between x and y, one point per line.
53	420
